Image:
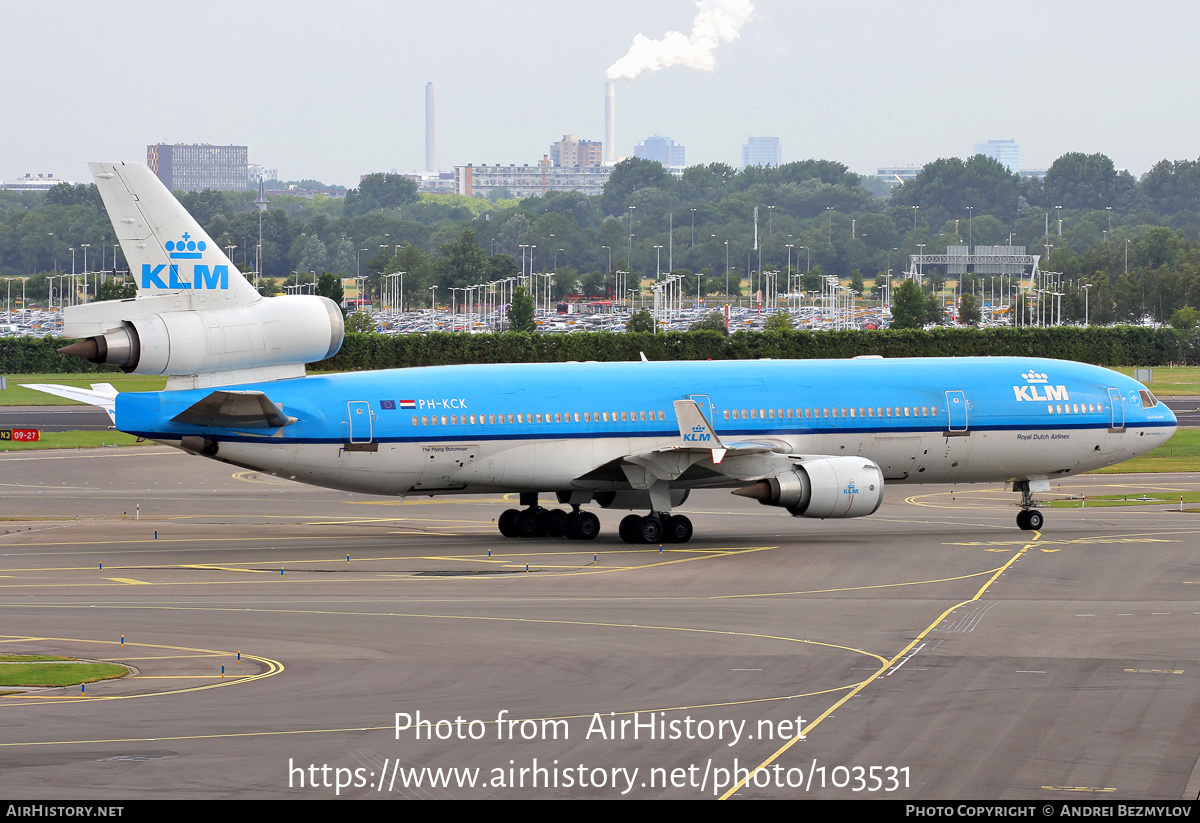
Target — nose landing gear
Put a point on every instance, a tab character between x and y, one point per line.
1029	519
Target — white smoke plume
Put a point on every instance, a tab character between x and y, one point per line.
715	21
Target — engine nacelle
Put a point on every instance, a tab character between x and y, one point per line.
636	499
823	487
276	331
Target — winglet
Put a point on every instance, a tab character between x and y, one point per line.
695	431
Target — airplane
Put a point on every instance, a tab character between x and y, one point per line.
817	438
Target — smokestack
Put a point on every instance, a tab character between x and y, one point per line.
610	123
430	163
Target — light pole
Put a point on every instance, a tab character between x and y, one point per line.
970	228
693	245
84	246
658	263
629	254
727	271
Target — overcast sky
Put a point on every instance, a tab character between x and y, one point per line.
333	90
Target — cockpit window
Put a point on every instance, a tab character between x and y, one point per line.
1149	401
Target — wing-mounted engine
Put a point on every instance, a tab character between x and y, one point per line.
823	487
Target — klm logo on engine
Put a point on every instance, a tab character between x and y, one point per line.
697	435
1037	384
850	488
202	277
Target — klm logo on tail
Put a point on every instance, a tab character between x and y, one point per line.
202	276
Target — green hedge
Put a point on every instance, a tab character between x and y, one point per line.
1115	346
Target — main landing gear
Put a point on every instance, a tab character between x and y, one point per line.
534	521
1028	519
656	528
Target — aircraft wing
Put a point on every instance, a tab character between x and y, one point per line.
700	453
101	394
235	410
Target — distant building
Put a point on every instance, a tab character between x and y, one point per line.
1006	152
256	173
574	153
199	166
529	181
761	151
663	149
1033	174
42	182
895	175
431	182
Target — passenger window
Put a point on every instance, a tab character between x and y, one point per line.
414	420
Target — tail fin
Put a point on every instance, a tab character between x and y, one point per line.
167	250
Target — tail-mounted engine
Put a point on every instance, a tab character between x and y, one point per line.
272	332
823	487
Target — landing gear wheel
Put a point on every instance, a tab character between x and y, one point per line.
628	528
531	523
583	526
678	529
508	522
649	529
1030	520
556	523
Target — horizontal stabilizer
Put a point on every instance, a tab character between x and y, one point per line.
101	394
235	410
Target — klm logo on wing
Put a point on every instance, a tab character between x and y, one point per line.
201	277
697	435
1035	381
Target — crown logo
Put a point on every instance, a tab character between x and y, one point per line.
185	248
1033	377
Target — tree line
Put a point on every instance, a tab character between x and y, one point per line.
1131	241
